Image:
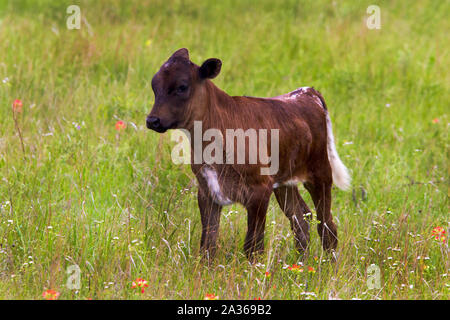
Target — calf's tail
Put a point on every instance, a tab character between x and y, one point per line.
341	176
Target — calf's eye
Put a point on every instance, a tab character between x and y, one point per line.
182	88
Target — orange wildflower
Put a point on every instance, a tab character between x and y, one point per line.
296	268
439	234
139	283
17	105
311	270
120	125
211	296
50	294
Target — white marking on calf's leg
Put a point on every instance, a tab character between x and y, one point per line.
210	176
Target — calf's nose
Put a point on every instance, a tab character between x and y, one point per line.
153	123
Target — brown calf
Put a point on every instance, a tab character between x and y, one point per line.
307	154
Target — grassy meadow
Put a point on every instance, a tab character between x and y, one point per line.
74	190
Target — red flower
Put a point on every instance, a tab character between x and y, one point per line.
17	105
139	283
439	234
296	268
211	296
120	125
268	274
50	294
311	270
435	120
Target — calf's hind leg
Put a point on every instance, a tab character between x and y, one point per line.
294	208
320	189
256	209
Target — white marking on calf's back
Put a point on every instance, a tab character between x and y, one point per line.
297	92
210	176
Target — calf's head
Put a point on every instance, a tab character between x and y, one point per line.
180	92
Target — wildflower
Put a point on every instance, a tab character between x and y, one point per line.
439	234
311	270
268	274
50	294
139	283
148	43
259	298
296	268
308	294
211	296
17	105
120	125
435	120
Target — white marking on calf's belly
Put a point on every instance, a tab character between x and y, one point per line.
291	182
210	176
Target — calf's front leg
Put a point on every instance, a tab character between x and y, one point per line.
210	217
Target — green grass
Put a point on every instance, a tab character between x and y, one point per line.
117	206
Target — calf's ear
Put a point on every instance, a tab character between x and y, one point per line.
181	53
210	68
